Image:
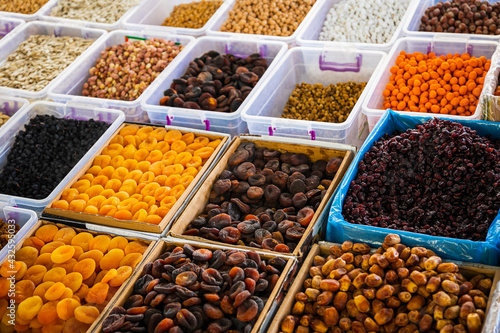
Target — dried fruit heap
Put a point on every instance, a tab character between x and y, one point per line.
265	199
64	279
395	289
5	235
191	289
440	179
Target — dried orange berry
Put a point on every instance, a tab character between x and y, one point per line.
29	308
28	255
135	247
85	267
62	254
112	259
55	274
131	259
47	313
46	232
86	314
50	247
23	290
82	239
73	281
122	274
66	308
65	235
100	243
35	273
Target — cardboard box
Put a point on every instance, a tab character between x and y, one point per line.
120	290
176	209
314	149
270	306
467	269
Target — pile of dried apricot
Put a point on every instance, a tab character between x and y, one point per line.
140	175
64	279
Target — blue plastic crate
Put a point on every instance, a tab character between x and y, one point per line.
339	230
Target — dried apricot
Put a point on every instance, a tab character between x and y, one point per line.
29	308
28	254
177	191
107	171
74	326
117	139
107	275
133	140
68	265
123	215
66	308
62	254
65	235
131	165
204	152
82	239
141	154
129	130
157	168
86	314
140	215
100	243
78	252
24	289
68	293
96	201
86	267
173	135
112	150
158	133
121	195
183	158
77	205
169	157
172	170
54	327
95	170
131	259
90	280
102	161
69	194
112	259
107	193
195	162
214	144
188	138
47	313
179	146
50	247
80	197
10	268
154	156
61	204
46	232
154	219
35	273
94	191
81	185
73	281
98	293
55	274
117	161
82	291
122	274
135	247
144	132
55	291
35	242
113	184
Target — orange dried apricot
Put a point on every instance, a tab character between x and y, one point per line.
47	313
154	156
161	193
90	280
119	173
46	232
82	239
55	291
193	147
17	268
123	215
140	215
41	289
158	133
65	235
69	194
173	180
88	176
111	274
152	210
122	274
162	146
127	204
91	210
178	145
186	180
113	184
131	259
95	255
112	259
121	196
149	200
77	205
28	254
107	171
62	254
195	162
112	150
129	130
118	242
35	242
149	189
169	157
188	138
100	180
183	158
167	202
129	186
129	151
86	314
214	144
94	190
54	327
29	308
177	191
49	247
108	210
81	185
135	247
66	308
82	291
154	219
85	267
190	171
55	274
78	251
130	164
141	154
82	196
172	135
43	260
143	166
96	201
35	324
202	140
117	139
148	144
157	168
136	175
117	161
136	196
35	273
95	170
174	169
160	179
68	293
23	290
61	204
102	161
100	242
204	152
107	193
133	140
147	177
144	132
98	293
68	265
73	281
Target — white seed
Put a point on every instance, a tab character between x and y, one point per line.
100	11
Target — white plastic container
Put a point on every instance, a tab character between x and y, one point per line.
69	111
410	28
12	41
9	24
30	17
313	26
150	14
313	65
25	219
210	120
69	88
45	16
372	106
215	25
11	107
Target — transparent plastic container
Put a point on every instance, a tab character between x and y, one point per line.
150	14
230	123
314	25
45	16
312	65
69	88
69	111
30	17
8	25
410	28
26	219
12	41
11	107
372	105
214	26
